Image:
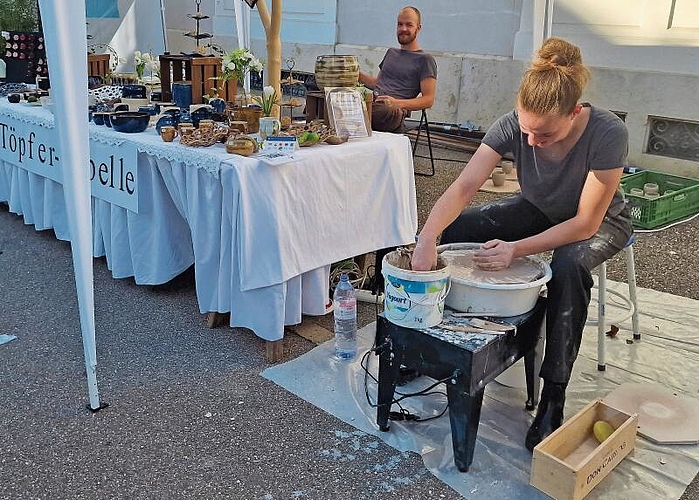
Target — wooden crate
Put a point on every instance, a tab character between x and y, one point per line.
198	70
570	462
98	64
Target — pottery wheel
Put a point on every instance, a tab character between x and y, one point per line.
522	270
664	416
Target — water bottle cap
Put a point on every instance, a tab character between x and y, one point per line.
344	277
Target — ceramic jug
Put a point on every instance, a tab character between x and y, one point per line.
269	126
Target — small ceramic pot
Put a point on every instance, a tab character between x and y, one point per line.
650	188
499	178
636	191
507	167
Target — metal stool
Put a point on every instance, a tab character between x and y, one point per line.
424	124
630	302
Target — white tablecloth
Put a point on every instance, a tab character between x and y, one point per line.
261	237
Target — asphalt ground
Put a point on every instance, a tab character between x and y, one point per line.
189	415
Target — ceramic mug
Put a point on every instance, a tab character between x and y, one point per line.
168	133
185	129
269	126
206	125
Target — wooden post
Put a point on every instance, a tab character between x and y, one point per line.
272	25
274	350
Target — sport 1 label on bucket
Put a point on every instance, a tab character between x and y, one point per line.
414	299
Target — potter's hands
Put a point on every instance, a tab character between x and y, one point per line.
495	255
424	256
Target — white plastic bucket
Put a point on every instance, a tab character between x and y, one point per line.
414	299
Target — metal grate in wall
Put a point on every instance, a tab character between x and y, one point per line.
673	138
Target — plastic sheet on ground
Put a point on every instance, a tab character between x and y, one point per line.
667	354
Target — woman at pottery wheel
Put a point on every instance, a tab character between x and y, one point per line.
569	158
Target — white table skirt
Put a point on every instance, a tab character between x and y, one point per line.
261	237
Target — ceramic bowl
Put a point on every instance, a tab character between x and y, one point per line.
129	121
98	117
133	91
201	113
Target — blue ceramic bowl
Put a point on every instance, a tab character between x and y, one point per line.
98	117
129	121
166	119
203	113
147	109
133	91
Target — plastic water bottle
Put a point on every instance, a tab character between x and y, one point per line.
345	302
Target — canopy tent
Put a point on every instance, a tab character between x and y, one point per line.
65	33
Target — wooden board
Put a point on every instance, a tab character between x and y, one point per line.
508	187
664	416
312	331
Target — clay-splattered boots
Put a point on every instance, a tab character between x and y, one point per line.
549	415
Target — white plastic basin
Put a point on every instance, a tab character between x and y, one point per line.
494	299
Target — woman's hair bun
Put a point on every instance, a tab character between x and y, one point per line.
556	52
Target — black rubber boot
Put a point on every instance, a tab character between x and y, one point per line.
549	416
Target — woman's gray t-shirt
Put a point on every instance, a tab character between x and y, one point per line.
554	187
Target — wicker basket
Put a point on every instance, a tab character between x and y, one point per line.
205	138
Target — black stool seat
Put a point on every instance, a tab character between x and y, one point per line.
469	360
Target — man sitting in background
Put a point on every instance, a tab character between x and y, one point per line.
407	78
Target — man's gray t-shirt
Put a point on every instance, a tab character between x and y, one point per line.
554	187
402	71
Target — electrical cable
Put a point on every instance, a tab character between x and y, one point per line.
402	414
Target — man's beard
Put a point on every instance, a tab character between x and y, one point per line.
406	39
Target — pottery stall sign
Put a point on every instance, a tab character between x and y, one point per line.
112	169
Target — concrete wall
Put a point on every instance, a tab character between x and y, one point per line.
482	48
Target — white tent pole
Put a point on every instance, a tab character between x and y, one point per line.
242	25
66	50
162	20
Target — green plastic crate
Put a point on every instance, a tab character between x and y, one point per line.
651	213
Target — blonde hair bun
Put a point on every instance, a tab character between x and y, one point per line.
555	79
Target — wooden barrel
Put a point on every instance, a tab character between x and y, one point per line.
336	71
